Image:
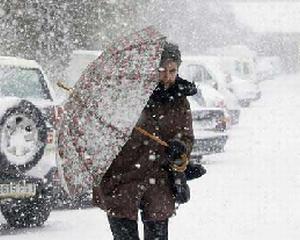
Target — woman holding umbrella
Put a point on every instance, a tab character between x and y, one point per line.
145	175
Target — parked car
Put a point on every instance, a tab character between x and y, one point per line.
211	83
27	142
238	60
245	91
268	67
80	59
209	126
226	80
241	77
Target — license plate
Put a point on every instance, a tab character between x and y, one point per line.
205	124
17	190
208	124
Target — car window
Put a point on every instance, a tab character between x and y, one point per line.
23	83
206	75
246	68
195	73
199	73
238	67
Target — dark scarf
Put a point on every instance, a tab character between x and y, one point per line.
181	88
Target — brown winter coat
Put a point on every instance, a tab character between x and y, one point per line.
137	176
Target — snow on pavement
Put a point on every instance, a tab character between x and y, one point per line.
251	191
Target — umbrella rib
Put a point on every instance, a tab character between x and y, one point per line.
155	138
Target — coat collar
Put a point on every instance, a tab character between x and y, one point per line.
181	88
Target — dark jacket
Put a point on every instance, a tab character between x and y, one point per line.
137	175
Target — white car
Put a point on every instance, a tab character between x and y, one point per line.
209	126
241	78
237	60
27	148
211	83
268	67
233	83
244	90
79	61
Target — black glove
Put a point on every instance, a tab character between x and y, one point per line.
180	187
174	151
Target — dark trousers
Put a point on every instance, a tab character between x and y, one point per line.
125	229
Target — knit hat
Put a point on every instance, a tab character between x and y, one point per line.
171	51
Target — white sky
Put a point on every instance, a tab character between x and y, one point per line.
271	16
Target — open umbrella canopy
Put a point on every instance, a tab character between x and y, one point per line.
104	107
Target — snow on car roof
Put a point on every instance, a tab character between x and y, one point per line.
214	64
19	62
209	60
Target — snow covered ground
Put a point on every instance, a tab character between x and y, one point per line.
251	191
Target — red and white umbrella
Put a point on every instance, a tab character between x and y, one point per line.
104	107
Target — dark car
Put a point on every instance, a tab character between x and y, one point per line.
27	142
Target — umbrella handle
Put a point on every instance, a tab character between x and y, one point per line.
182	167
62	85
175	167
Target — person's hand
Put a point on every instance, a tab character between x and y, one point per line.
176	152
180	187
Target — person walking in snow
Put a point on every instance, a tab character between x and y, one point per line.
144	176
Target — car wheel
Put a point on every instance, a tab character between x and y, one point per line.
23	136
29	212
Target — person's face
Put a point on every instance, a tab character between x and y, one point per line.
168	72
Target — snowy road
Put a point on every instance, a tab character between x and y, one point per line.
251	192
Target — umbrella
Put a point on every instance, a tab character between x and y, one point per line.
104	106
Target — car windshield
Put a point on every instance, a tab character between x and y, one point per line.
23	83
